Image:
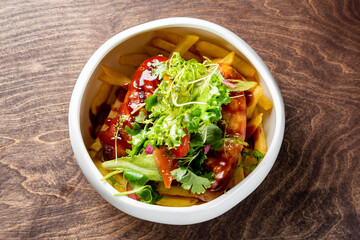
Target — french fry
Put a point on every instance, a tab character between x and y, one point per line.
162	44
134	59
185	43
113	77
176	201
153	51
167	46
174	190
259	138
112	96
259	143
172	37
252	125
101	97
238	177
256	94
247	163
228	59
119	180
265	103
218	52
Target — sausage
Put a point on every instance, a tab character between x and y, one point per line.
141	87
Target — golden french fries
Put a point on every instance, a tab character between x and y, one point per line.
153	51
212	50
185	43
101	97
168	46
228	59
134	59
174	190
265	103
259	137
176	201
172	37
113	77
238	177
118	180
252	125
256	92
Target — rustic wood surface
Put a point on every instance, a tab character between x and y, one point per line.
312	49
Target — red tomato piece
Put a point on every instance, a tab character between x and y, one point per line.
183	149
165	164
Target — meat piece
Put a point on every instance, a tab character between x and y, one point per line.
141	87
224	162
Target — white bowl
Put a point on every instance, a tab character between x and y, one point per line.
131	40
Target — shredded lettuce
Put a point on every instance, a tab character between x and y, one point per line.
190	98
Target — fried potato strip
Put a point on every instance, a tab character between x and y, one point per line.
212	50
176	201
113	77
133	60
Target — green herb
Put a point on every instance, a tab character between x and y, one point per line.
137	180
254	154
242	85
112	179
138	138
141	163
189	180
212	135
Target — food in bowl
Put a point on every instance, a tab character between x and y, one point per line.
185	128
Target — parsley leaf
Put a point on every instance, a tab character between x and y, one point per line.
150	102
212	135
189	180
138	138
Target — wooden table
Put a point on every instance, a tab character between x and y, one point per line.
312	49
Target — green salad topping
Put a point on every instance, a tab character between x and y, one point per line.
188	101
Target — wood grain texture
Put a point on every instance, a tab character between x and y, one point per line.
312	49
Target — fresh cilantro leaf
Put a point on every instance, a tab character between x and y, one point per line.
197	163
138	138
190	180
136	129
213	136
150	102
196	140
